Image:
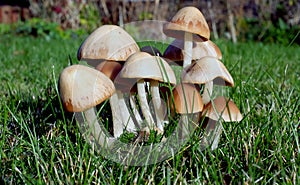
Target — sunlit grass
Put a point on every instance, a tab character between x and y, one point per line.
40	143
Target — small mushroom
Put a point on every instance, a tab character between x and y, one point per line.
142	66
81	89
188	24
220	108
207	70
188	103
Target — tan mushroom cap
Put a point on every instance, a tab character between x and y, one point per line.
222	107
82	87
108	42
142	65
188	19
200	50
207	69
187	99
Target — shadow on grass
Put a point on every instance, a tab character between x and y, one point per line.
40	113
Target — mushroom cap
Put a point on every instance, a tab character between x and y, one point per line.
188	19
200	50
142	65
207	69
82	87
108	42
187	99
224	108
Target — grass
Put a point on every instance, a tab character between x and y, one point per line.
40	144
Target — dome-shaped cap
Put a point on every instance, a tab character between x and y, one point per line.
142	65
207	69
188	19
187	99
224	108
108	42
82	87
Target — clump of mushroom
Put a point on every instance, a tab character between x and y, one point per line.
132	79
111	44
142	66
201	61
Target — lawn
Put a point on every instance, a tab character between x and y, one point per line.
39	142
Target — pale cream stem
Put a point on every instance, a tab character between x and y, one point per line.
159	108
188	49
144	103
120	113
187	124
135	109
117	119
128	122
95	129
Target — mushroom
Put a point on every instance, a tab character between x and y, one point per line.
111	69
188	103
207	70
200	49
141	66
189	25
81	89
219	109
110	43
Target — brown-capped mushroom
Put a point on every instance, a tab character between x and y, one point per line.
188	103
188	24
219	109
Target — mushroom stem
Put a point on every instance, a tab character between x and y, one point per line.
187	124
188	49
95	129
128	123
134	109
144	104
120	113
216	135
117	119
157	104
212	134
208	88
